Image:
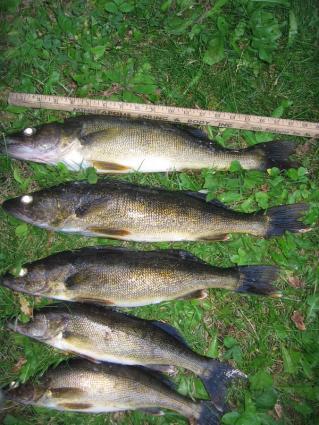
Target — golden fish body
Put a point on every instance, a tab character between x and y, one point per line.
123	211
120	145
127	278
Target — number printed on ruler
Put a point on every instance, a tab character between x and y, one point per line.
167	113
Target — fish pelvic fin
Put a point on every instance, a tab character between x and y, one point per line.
215	377
209	415
200	294
258	280
286	217
276	154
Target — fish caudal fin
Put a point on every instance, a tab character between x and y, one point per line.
276	154
208	414
286	217
258	280
215	377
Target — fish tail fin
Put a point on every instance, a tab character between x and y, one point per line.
286	217
215	377
208	414
277	153
258	280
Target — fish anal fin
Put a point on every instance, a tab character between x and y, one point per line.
111	232
109	166
170	330
152	411
216	237
170	370
196	295
75	406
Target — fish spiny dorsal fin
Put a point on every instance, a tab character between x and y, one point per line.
170	330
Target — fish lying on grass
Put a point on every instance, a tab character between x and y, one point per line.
103	334
121	145
127	278
81	386
120	210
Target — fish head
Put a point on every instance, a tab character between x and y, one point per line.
40	278
27	393
40	144
44	326
44	208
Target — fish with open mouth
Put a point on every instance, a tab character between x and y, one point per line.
120	210
106	335
128	278
121	145
82	386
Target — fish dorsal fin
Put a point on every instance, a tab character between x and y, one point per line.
184	255
194	131
170	330
202	196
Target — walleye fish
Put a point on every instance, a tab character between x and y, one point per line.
121	145
119	210
110	336
126	278
81	386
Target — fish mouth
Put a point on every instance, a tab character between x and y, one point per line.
22	150
15	208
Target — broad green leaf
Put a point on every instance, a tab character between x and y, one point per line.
215	51
261	380
98	51
218	4
266	399
230	341
235	167
230	418
126	7
262	199
111	7
22	230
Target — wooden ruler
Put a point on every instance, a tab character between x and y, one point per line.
167	113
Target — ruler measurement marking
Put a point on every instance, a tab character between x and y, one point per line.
168	113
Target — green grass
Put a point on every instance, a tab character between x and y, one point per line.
162	52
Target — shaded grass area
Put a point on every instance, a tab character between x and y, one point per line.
81	48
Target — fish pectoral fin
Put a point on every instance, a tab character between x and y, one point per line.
67	392
216	237
108	232
109	166
196	295
153	411
75	406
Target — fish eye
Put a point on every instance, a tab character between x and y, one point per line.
23	272
29	131
27	199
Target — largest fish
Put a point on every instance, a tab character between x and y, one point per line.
81	386
120	210
121	145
